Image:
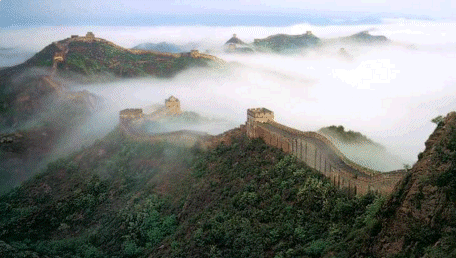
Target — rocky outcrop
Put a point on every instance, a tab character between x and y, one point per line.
419	220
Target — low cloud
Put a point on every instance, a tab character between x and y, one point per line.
388	93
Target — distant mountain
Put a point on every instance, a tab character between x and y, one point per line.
95	56
163	47
83	59
364	37
291	44
36	103
284	43
361	149
235	40
349	137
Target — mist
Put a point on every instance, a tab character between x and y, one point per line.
13	56
388	93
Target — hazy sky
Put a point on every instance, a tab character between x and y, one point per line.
207	12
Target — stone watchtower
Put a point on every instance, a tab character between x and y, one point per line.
257	115
195	53
173	105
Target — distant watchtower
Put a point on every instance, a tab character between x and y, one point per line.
255	116
195	53
90	35
173	105
308	33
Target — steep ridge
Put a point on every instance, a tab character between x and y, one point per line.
419	220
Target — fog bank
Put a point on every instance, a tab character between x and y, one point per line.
388	93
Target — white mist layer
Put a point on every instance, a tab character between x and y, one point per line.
391	100
389	94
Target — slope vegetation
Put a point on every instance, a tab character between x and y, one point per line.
120	198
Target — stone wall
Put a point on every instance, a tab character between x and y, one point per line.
322	155
183	137
126	116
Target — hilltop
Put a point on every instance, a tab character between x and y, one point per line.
364	37
95	56
283	42
362	150
349	137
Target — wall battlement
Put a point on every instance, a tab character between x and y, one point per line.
319	153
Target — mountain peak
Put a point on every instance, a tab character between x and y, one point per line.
235	40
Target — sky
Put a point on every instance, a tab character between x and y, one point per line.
207	12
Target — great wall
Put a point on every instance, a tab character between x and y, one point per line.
312	148
319	153
129	119
59	56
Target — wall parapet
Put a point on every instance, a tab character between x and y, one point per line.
321	154
364	170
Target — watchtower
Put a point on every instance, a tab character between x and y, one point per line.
255	116
173	105
262	115
195	53
90	35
